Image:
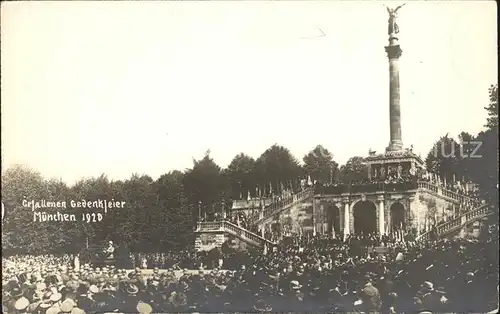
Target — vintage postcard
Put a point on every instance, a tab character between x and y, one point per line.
249	156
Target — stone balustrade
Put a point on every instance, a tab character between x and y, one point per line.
458	222
366	188
391	187
441	191
235	230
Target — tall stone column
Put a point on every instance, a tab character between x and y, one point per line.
393	53
341	217
346	218
381	218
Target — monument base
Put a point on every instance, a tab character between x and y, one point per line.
395	146
400	162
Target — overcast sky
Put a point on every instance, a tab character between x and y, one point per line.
143	87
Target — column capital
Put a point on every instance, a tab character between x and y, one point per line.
380	198
393	51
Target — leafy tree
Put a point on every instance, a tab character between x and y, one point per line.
90	189
492	109
204	183
278	167
59	235
118	220
464	157
444	158
242	176
20	233
355	170
319	164
175	215
141	203
485	167
489	153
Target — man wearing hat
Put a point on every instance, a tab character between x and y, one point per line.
12	294
370	296
136	274
297	298
45	302
21	305
84	301
178	301
185	274
53	310
67	306
144	308
34	307
130	299
428	299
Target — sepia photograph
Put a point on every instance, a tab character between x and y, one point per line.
249	157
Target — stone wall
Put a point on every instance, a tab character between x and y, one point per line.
418	207
427	206
296	218
236	243
210	240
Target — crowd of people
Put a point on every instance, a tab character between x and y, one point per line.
317	274
321	273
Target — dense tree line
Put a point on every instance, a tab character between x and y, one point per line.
471	157
160	214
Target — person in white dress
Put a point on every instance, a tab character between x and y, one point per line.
144	263
77	262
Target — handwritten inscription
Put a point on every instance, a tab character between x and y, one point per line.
43	210
94	204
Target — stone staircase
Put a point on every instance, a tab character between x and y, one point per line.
226	227
279	206
219	228
459	222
